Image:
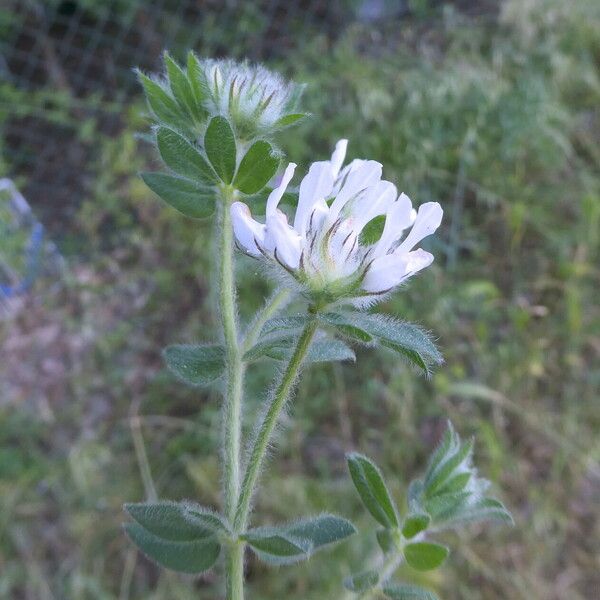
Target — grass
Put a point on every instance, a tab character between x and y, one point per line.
495	118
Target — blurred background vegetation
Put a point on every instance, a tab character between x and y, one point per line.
491	108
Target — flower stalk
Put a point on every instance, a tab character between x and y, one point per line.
234	374
265	431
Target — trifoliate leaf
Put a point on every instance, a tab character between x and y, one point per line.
181	89
193	556
189	198
414	524
167	520
361	582
162	104
447	468
180	156
425	556
404	591
219	143
257	168
195	365
371	488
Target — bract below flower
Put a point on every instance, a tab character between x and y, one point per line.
322	250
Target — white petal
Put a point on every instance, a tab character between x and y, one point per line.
375	201
398	218
315	186
385	273
428	220
417	260
338	156
246	229
368	173
283	240
277	193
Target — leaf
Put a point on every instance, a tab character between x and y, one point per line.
385	540
183	556
414	524
443	507
205	518
405	338
485	509
181	88
281	348
195	74
180	156
167	520
284	324
257	168
323	530
195	365
219	143
403	591
275	547
184	195
361	582
446	468
288	120
287	544
346	327
425	556
164	107
371	487
329	351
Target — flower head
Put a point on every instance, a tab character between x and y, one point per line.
257	100
322	248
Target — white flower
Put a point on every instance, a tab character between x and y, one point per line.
322	248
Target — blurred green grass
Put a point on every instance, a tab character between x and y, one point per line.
499	120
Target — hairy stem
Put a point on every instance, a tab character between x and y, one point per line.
234	374
263	436
272	305
387	570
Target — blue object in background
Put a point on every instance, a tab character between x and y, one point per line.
36	248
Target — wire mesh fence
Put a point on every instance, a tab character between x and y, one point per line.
68	63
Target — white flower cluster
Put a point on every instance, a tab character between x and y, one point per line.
322	249
250	94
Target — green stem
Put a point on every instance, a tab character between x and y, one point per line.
271	307
263	437
387	570
234	374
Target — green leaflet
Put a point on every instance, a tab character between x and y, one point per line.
189	198
425	556
361	582
257	168
405	338
293	542
371	488
219	144
182	90
162	104
186	557
281	348
195	364
182	158
167	520
414	524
